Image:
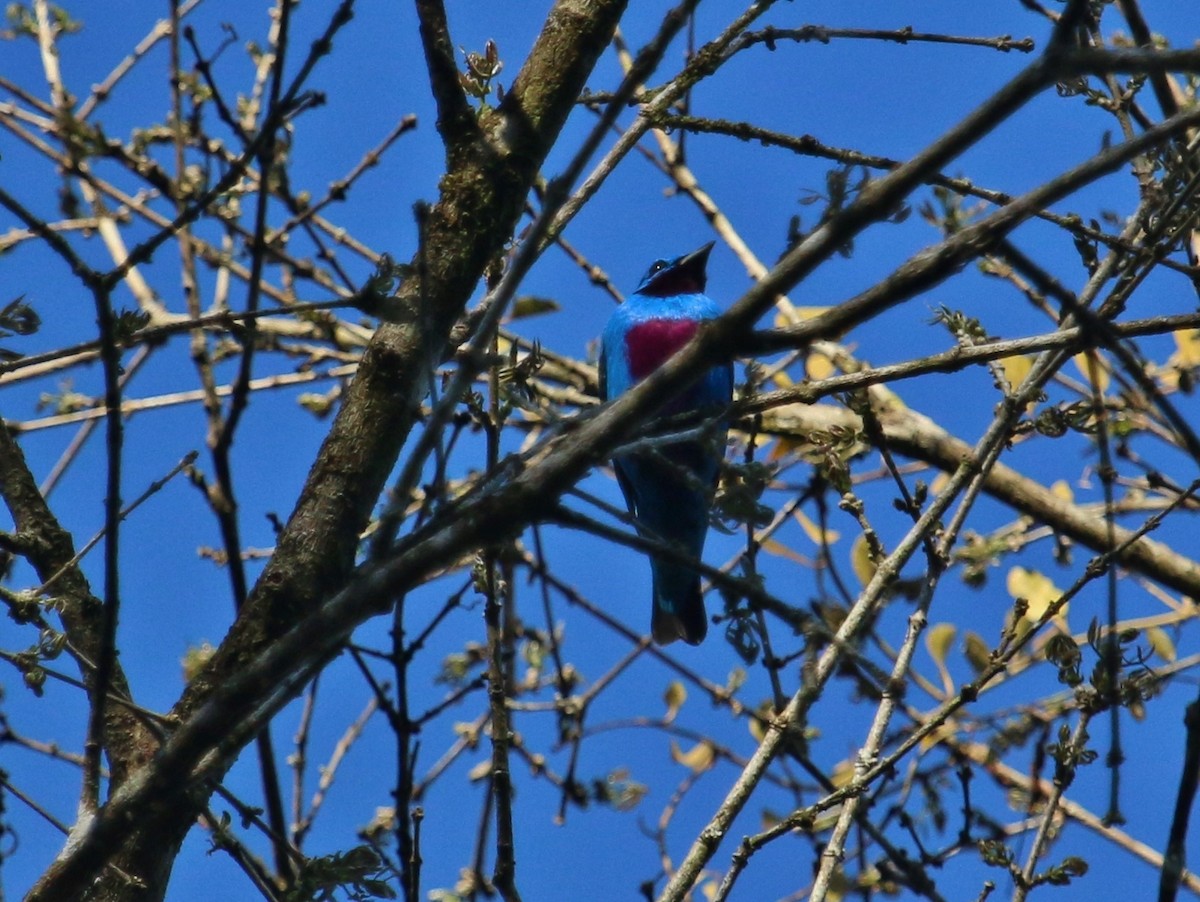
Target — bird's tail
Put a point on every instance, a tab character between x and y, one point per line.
678	605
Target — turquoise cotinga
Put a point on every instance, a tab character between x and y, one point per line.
669	487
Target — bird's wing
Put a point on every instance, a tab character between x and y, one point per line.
625	481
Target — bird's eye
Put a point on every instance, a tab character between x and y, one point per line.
658	266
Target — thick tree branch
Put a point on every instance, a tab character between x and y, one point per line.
456	120
482	197
914	435
50	549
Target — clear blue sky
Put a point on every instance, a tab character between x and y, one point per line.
878	98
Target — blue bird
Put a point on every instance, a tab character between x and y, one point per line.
669	487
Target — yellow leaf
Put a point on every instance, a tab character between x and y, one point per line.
782	379
976	650
872	879
938	640
675	696
196	659
813	531
932	740
843	773
1161	643
840	886
777	548
698	760
1016	368
789	315
757	730
1093	369
1062	489
939	483
860	560
756	725
1137	709
737	679
1036	588
818	366
810	312
1188	343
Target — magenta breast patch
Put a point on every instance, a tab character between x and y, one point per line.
650	343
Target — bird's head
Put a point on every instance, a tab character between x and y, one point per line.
683	275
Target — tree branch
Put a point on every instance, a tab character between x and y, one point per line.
482	197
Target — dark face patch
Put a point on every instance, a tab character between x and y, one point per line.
673	281
650	343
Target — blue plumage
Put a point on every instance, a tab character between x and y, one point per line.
669	489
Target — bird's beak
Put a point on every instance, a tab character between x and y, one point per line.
694	266
697	260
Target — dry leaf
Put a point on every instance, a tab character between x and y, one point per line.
939	483
860	560
938	640
675	696
813	531
699	759
777	548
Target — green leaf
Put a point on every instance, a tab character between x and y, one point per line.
529	305
18	318
318	404
128	322
740	635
